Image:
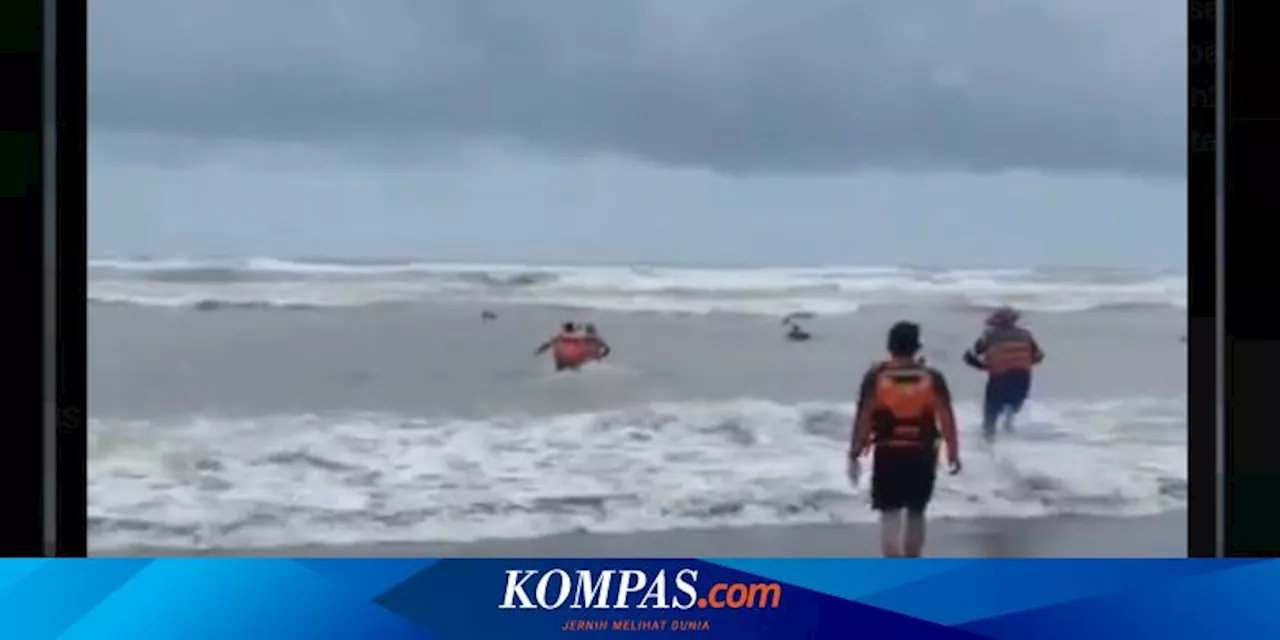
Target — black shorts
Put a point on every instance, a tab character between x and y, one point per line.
1006	392
903	478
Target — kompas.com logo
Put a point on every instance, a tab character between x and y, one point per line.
631	588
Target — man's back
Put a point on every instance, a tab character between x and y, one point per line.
942	413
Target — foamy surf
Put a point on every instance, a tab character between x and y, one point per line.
272	283
364	478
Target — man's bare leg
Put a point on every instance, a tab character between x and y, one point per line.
914	535
891	533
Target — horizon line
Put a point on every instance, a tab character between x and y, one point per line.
375	260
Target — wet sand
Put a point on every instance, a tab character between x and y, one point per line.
1161	536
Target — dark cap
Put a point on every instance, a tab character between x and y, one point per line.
904	339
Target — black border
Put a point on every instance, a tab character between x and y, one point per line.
33	408
72	255
1252	438
1202	258
21	198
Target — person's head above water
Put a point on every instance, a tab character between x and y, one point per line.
568	327
904	340
589	328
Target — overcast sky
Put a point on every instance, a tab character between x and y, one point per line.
816	131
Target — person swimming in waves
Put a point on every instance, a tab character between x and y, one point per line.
796	334
1006	352
904	412
570	348
602	348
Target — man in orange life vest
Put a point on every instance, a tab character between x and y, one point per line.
569	348
904	409
1007	352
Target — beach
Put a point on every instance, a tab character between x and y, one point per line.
1162	536
350	409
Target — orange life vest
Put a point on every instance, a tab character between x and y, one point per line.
572	349
905	407
1009	350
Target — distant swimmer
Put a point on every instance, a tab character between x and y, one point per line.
570	349
1007	352
904	410
796	334
488	315
602	348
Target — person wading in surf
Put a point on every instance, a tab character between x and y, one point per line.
1007	353
570	349
904	411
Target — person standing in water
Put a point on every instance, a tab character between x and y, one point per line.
570	349
904	410
797	334
1007	353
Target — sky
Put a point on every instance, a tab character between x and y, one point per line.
943	132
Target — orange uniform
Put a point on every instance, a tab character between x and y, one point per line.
904	404
572	350
904	410
1007	349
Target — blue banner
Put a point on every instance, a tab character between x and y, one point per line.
463	599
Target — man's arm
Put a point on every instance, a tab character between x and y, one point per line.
861	436
973	357
946	416
546	345
1037	355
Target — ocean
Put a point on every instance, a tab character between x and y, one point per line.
253	404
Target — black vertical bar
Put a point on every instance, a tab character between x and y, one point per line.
21	184
1252	528
1202	454
71	250
1250	56
1251	439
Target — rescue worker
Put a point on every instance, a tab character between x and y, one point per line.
602	348
904	410
1007	352
569	348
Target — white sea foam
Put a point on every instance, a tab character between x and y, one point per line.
295	480
266	282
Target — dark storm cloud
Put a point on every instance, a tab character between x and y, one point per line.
735	85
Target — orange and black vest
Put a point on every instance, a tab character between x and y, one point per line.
1009	349
905	409
572	348
565	342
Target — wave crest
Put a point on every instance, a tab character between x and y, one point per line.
298	480
268	283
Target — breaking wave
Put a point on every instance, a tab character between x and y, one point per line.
207	482
281	284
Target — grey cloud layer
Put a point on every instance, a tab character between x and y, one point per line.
735	85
